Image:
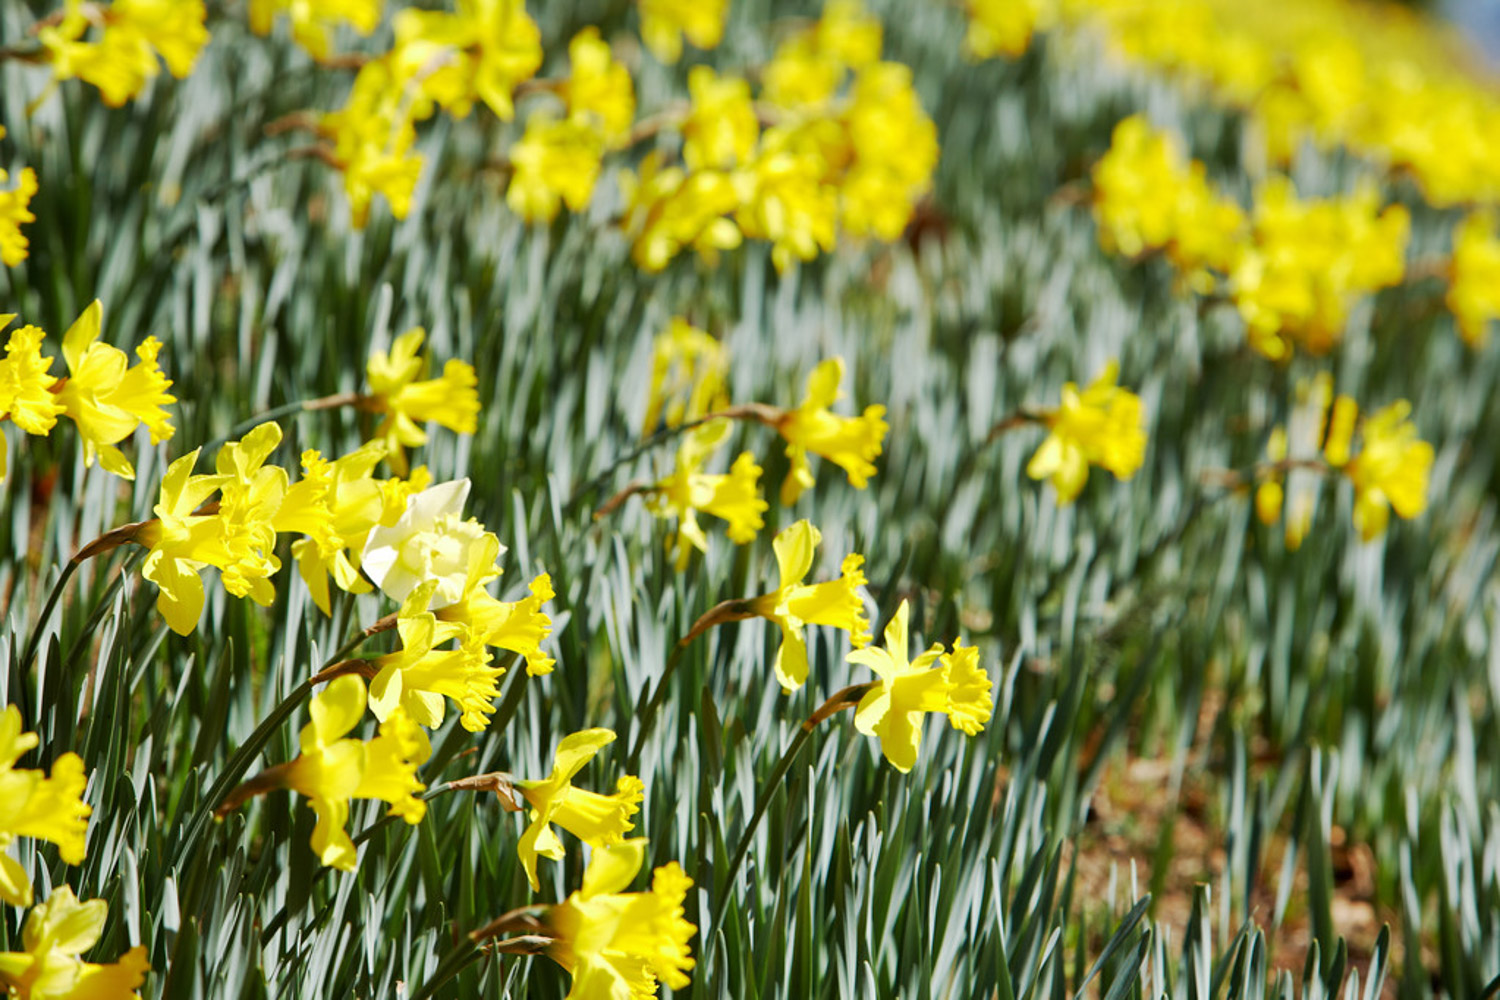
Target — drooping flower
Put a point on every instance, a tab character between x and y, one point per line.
132	34
180	543
665	23
689	371
418	676
618	944
555	163
785	198
430	542
26	395
1103	425
518	626
733	496
597	820
107	399
373	134
794	604
399	389
250	498
951	683
721	128
1390	471
14	213
56	934
668	210
852	443
335	504
893	146
35	805
479	52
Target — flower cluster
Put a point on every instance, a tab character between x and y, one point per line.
104	395
128	39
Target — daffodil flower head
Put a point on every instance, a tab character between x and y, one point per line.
599	89
689	371
1474	288
180	543
408	400
794	604
519	626
1390	471
598	820
35	805
555	163
721	127
429	542
852	443
894	149
133	33
26	395
619	944
251	495
56	934
1101	425
893	709
313	23
1005	27
335	504
664	24
107	397
331	770
668	210
733	496
14	213
417	677
481	51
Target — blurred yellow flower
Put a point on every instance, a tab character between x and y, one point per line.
892	710
372	136
689	369
313	21
733	496
852	443
481	51
15	212
56	933
721	127
598	89
1005	27
133	34
1474	282
794	604
619	944
664	24
894	147
399	389
597	820
1103	425
783	198
1390	471
554	163
35	805
107	400
668	210
809	67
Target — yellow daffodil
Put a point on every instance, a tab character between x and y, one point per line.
400	390
810	65
335	504
894	149
733	496
56	934
419	675
430	542
518	626
852	443
1005	27
664	24
479	52
794	604
785	200
669	210
951	683
26	395
598	89
1390	471
1103	425
180	543
619	944
721	128
373	134
133	33
313	21
555	163
597	820
251	494
14	213
1474	287
35	805
107	399
331	770
689	371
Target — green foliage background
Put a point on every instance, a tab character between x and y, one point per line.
1343	685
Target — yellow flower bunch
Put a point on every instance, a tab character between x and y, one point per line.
1148	196
794	604
598	88
600	821
951	683
666	23
103	394
1005	27
851	443
400	390
372	136
689	369
668	210
313	21
54	937
1390	470
1309	260
619	944
733	496
33	804
1102	425
809	67
14	213
132	34
1474	278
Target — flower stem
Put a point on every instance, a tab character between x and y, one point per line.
463	954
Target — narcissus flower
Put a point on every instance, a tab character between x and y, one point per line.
331	770
133	33
667	210
795	604
618	944
35	805
430	542
810	65
1390	471
372	135
14	213
400	389
598	820
951	683
852	443
664	24
180	543
555	163
418	676
733	496
1103	425
1474	288
313	21
689	372
518	626
894	150
56	933
107	397
1004	27
784	199
250	498
335	504
721	128
598	89
26	395
479	52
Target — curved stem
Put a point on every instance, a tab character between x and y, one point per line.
463	954
53	596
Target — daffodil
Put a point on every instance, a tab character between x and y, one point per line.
555	163
518	626
14	213
795	604
786	200
894	149
251	493
418	676
689	371
430	542
35	805
479	52
951	683
54	937
26	395
733	496
598	89
810	65
400	389
619	944
373	134
721	128
1102	425
1004	27
597	820
313	21
1474	288
852	443
669	210
335	504
1390	471
132	34
664	24
107	397
180	543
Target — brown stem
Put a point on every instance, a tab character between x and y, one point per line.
841	699
499	782
524	919
296	121
611	505
1021	418
113	539
268	780
343	668
526	944
736	610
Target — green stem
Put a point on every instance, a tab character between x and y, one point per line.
465	953
648	716
53	596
